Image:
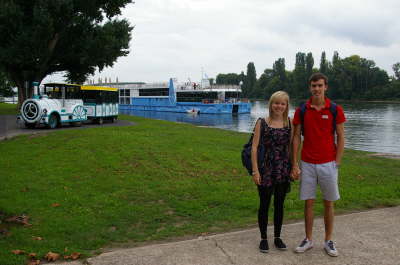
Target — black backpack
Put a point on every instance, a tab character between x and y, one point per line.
333	110
246	152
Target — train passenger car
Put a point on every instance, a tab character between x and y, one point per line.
101	103
59	104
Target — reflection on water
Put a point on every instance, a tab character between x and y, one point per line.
371	127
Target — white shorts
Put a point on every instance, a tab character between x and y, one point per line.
326	175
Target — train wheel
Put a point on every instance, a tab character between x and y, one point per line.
79	113
53	121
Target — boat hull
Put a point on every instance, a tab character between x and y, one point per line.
183	107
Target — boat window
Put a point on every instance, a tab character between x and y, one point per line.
124	92
153	92
196	96
232	94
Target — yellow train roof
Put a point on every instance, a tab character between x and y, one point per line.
85	87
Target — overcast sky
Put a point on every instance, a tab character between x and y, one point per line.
179	38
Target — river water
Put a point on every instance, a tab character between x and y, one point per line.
373	127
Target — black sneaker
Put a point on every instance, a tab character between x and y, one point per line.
279	244
264	246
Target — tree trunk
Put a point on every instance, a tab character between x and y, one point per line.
21	91
24	84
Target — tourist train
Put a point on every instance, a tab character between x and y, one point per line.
187	97
58	104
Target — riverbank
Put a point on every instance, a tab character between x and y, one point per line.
341	100
99	187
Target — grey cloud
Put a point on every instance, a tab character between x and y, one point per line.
178	37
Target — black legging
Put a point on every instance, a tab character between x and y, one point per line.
279	191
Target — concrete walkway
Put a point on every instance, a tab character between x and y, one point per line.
9	127
366	238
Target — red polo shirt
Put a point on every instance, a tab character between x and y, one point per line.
319	142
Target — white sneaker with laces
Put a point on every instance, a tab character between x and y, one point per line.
330	248
304	246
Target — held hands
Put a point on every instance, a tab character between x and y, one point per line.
256	177
295	172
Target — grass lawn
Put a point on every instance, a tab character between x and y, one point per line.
99	187
6	108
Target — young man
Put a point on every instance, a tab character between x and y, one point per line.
320	158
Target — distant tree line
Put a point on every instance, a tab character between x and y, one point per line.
352	77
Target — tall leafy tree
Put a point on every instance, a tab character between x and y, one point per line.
309	64
279	77
250	80
323	66
40	37
299	77
263	83
365	69
396	70
228	79
242	77
334	73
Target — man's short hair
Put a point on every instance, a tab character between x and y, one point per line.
317	76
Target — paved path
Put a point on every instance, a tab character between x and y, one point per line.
366	238
9	127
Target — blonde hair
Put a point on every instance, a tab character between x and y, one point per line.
280	95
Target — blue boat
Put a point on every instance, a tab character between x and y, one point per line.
188	97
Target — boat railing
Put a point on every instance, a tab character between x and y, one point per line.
225	87
228	100
155	85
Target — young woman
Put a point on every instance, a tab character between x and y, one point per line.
274	177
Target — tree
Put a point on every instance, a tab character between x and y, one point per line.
276	79
280	72
228	79
242	77
396	70
40	37
309	65
299	77
250	80
263	81
323	66
334	73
